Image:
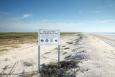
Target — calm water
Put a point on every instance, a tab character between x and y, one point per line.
111	34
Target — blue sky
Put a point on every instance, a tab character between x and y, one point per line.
66	15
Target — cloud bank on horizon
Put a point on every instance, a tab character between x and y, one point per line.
66	15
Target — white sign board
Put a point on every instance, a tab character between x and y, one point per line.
47	37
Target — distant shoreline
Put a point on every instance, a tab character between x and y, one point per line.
105	33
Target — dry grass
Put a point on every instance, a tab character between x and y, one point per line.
13	39
8	38
16	38
63	69
67	33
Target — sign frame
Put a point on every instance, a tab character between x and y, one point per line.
49	37
39	43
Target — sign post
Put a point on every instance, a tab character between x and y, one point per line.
58	54
39	58
38	52
48	37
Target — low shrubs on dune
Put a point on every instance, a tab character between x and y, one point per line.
61	69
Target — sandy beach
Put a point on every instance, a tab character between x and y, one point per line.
96	54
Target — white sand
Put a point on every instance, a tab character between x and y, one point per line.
98	50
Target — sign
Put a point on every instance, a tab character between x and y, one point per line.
47	37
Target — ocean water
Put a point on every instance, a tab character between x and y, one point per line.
103	33
109	34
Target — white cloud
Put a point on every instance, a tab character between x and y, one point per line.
34	26
45	20
92	26
19	18
26	15
106	21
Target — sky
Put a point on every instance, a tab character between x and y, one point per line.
65	15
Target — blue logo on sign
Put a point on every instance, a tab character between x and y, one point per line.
55	40
46	40
42	40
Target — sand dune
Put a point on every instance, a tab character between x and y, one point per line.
96	54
